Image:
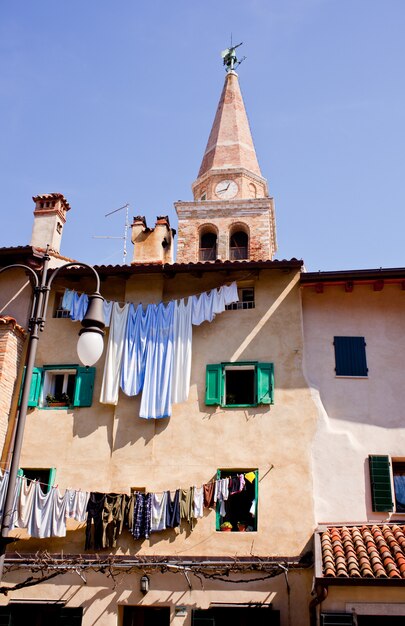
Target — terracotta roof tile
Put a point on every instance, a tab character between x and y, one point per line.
368	551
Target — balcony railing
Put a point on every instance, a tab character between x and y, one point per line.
238	254
208	254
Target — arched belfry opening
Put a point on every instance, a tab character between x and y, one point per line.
238	244
208	244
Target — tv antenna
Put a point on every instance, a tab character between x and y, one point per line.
125	235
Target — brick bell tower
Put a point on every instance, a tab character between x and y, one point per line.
232	215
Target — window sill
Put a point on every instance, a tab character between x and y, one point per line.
354	377
55	408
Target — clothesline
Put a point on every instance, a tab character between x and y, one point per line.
124	302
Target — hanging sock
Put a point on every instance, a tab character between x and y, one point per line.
112	366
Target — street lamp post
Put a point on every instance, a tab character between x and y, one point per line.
90	347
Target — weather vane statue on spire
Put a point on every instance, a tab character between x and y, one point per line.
229	57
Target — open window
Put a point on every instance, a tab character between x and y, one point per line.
61	386
241	384
246	299
387	479
45	476
240	508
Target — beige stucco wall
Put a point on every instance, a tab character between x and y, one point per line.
363	600
109	449
357	417
103	603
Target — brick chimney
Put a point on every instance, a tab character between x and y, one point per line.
49	220
152	245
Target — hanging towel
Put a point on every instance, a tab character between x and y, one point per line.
112	366
209	490
198	503
67	300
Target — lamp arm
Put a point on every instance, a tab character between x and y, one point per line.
75	264
25	267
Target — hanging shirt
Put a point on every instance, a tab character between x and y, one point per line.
157	388
230	293
107	309
77	504
113	518
173	510
112	366
202	308
135	343
182	341
187	505
67	299
158	512
79	307
198	504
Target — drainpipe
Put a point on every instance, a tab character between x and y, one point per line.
321	593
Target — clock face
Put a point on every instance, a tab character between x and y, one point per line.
226	189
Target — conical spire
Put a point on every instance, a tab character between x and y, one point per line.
230	144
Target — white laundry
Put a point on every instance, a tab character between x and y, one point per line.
76	506
198	502
158	511
112	366
182	343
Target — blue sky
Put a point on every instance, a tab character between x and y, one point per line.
112	102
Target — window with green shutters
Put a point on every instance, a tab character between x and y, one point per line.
350	356
73	384
241	508
380	478
241	384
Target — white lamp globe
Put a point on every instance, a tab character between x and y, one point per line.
90	346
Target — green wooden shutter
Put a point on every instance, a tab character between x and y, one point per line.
70	617
214	384
83	395
51	479
350	356
265	383
35	388
336	619
380	477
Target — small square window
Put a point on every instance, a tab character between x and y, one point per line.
45	476
241	507
350	356
246	299
239	384
61	385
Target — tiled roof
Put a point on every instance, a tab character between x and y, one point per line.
370	551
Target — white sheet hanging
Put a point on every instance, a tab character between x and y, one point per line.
112	366
182	343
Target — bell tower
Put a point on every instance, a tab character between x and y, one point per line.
232	215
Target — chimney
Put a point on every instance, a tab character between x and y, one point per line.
49	220
152	245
